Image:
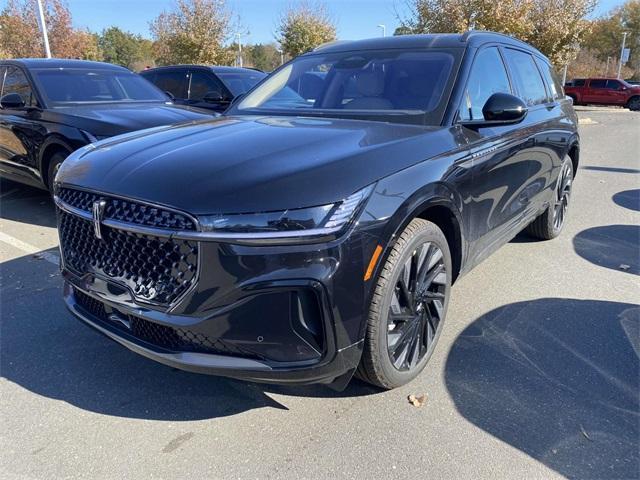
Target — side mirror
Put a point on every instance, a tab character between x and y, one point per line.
12	101
504	108
214	97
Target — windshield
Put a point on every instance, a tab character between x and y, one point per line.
371	84
74	85
240	82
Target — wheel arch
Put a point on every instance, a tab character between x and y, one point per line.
50	148
574	154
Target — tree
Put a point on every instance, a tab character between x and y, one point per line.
263	56
304	27
20	34
606	34
555	27
193	32
124	48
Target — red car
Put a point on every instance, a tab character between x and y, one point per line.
604	91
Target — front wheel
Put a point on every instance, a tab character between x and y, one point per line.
634	104
54	165
550	223
408	307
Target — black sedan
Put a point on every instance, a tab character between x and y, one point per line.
50	107
305	236
202	86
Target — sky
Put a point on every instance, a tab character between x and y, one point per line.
355	19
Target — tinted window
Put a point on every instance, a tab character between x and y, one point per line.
526	77
79	85
614	84
16	82
201	84
579	82
488	76
172	81
551	78
240	82
3	70
408	85
598	83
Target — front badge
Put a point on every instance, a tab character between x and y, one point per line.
98	215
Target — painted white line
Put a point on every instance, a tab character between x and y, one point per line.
28	248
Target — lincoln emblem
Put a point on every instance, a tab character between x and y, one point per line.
98	214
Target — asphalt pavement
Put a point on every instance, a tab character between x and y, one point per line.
536	374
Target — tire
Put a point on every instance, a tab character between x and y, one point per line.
634	104
420	244
54	164
550	223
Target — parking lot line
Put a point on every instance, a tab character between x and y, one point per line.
28	248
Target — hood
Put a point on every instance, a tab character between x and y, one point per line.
107	120
253	164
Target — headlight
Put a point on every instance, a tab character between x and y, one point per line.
315	221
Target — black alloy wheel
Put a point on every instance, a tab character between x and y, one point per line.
417	307
408	306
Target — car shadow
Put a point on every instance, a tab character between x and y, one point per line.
611	246
556	378
628	199
25	204
45	350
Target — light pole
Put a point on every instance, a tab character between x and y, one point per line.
239	62
606	72
281	56
43	28
624	39
384	29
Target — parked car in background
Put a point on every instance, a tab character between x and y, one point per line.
604	91
201	86
315	228
51	107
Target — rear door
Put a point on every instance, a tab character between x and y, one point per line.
596	91
21	134
500	159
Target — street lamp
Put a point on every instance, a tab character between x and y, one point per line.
239	35
384	29
624	39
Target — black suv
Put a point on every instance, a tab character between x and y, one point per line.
51	107
206	87
302	239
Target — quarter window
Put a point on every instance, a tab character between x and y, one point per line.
526	77
488	76
16	82
550	76
579	82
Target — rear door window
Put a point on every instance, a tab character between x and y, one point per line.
16	82
172	81
598	83
202	83
488	76
526	77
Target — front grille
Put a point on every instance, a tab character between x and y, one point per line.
127	211
163	336
158	270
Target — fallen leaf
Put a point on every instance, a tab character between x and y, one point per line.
624	266
39	256
586	435
417	401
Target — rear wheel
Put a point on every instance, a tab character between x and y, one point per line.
408	307
54	165
550	223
